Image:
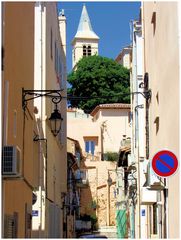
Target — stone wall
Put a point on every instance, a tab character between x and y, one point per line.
99	192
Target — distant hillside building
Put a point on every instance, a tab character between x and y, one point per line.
85	42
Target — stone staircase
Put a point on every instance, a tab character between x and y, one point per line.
108	231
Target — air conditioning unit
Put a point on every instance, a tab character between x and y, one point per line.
147	197
131	160
85	181
154	182
11	156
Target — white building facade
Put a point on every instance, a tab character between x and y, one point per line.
155	108
124	57
49	74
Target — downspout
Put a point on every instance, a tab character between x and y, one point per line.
138	171
147	101
136	31
38	85
102	143
146	106
132	228
43	166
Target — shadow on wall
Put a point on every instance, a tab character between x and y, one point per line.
88	202
98	197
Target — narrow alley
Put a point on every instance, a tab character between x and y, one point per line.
90	142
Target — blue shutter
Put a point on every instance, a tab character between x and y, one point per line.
92	147
87	146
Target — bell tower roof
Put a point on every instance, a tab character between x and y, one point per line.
85	28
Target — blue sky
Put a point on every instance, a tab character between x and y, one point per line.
110	21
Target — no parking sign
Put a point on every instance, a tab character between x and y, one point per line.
164	163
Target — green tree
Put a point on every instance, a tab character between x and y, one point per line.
98	80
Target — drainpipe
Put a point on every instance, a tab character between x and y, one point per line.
147	111
38	84
102	143
138	170
144	68
108	198
103	125
137	33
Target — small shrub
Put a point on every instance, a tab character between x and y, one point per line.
111	156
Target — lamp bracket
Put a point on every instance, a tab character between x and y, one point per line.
145	94
28	95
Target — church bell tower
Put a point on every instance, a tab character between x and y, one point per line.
85	42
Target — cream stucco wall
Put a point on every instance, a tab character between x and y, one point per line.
125	58
116	124
58	149
18	44
50	74
78	128
162	65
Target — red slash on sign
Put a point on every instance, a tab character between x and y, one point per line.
164	163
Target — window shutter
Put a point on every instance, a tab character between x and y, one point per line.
92	147
11	226
87	146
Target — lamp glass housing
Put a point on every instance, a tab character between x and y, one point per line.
55	122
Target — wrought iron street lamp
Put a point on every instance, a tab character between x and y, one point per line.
55	121
55	118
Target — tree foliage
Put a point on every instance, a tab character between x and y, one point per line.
100	79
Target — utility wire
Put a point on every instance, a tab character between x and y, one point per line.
96	97
145	94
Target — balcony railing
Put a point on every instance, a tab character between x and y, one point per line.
91	157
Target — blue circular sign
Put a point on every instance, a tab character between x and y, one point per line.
164	163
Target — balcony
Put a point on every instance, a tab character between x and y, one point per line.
154	182
81	177
91	157
125	142
81	183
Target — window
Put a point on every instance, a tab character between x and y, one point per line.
51	44
130	117
86	51
153	21
90	147
11	225
155	219
55	56
91	143
89	50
